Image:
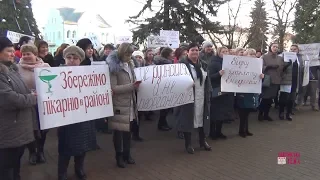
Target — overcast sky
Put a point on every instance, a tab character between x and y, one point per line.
115	12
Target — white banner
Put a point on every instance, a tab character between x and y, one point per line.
242	74
287	56
312	51
306	75
157	41
124	39
15	37
164	86
73	94
173	37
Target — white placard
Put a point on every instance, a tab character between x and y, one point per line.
72	41
312	51
173	37
98	63
287	56
164	86
306	75
124	39
95	41
157	41
15	37
242	74
73	94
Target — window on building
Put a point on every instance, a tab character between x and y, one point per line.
68	33
59	35
74	34
53	37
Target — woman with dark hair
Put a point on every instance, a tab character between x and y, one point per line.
16	109
149	56
166	57
124	86
180	53
273	67
86	45
43	48
58	58
195	115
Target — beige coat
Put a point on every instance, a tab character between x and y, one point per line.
124	96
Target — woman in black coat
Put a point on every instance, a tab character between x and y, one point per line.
221	104
75	139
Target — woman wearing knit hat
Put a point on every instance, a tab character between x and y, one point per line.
16	109
138	55
207	53
27	64
75	139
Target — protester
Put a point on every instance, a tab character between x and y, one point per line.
86	45
273	67
247	103
221	104
149	55
123	85
197	114
180	53
23	40
138	55
75	139
16	109
58	57
108	48
43	53
207	53
27	64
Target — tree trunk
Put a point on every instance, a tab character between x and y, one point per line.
166	18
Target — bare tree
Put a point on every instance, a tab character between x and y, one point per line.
283	10
232	34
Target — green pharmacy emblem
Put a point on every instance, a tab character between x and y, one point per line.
46	77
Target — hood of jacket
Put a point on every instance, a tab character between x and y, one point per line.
6	66
159	60
115	64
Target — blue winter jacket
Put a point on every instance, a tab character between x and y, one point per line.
247	100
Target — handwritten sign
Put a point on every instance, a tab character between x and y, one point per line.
124	39
312	51
69	95
172	38
95	41
242	74
287	56
164	86
15	37
72	41
157	41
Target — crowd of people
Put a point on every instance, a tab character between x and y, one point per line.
19	120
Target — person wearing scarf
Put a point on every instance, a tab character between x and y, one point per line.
195	115
26	66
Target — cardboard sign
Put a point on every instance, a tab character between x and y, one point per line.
241	74
312	52
72	94
287	56
164	86
173	37
15	37
157	41
124	39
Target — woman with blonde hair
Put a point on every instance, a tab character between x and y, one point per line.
247	103
221	104
124	86
27	64
239	51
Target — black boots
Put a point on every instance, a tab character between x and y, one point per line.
63	163
119	159
215	131
187	140
78	167
162	123
33	158
135	130
202	140
122	144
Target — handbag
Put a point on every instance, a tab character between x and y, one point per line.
216	92
266	81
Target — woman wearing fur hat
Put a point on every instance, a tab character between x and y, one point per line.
16	109
124	86
75	139
27	64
